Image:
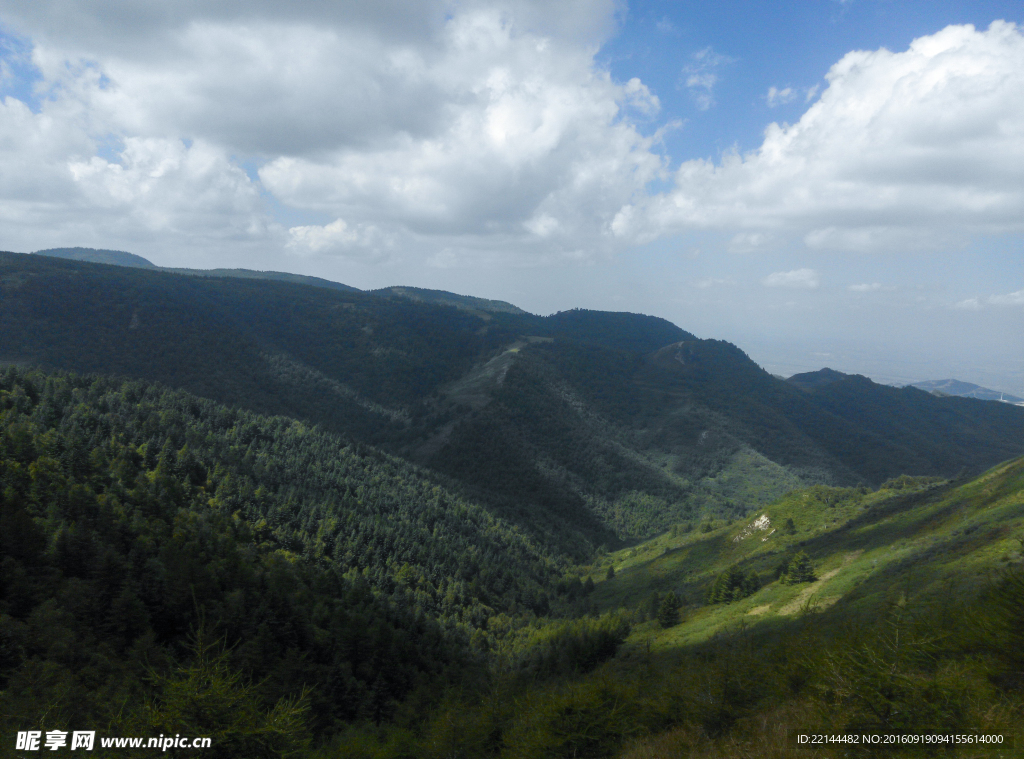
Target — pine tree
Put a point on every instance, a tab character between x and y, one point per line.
732	585
799	569
750	585
668	610
207	697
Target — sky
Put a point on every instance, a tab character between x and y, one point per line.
823	183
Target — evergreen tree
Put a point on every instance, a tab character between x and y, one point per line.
732	585
610	574
750	585
668	610
207	697
798	569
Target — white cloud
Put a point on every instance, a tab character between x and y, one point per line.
532	144
477	125
916	149
806	279
869	288
55	190
970	304
1012	299
339	237
638	96
129	29
166	186
700	76
776	96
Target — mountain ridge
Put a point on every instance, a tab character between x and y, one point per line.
584	427
122	258
965	390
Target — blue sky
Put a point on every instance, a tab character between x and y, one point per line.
823	183
764	44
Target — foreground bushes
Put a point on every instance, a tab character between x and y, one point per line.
746	694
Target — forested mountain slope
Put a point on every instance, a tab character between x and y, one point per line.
582	427
836	611
170	564
99	256
444	298
132	516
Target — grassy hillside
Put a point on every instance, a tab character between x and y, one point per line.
914	537
910	625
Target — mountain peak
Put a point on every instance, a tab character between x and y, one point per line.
99	256
814	380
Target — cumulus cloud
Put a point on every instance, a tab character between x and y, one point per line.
801	279
481	125
167	186
533	146
485	122
1011	299
908	149
56	190
339	237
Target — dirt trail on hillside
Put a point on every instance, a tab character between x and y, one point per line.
804	596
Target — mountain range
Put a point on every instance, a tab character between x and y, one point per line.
965	390
584	427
